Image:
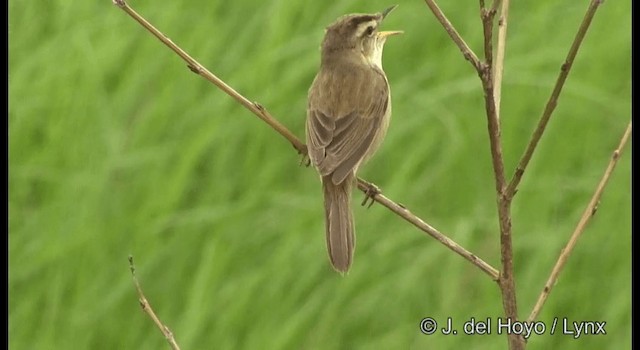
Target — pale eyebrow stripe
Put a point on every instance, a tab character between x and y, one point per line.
364	25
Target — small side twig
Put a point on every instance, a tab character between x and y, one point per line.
553	99
146	307
261	112
588	213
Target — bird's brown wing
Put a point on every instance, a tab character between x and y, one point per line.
346	108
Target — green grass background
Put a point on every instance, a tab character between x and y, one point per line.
117	149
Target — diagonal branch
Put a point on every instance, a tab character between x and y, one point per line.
197	68
553	99
261	112
146	307
466	51
588	213
403	212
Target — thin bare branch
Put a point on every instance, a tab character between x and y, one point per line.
588	213
259	111
466	51
487	17
507	281
486	77
403	212
146	307
197	68
500	50
553	99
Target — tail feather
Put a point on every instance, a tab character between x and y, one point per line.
340	231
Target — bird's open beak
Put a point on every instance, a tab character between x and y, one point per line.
384	35
388	11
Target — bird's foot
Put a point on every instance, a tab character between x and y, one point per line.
370	193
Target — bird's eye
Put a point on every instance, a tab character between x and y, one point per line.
369	30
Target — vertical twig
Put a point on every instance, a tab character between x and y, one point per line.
507	280
588	213
489	101
500	50
484	70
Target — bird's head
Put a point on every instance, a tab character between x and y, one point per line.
358	33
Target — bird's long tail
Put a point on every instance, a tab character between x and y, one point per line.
340	230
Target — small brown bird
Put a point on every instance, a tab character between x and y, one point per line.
348	114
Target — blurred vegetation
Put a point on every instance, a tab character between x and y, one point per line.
117	149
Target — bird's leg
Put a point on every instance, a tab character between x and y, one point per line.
370	193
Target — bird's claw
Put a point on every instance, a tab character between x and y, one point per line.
370	193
